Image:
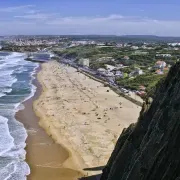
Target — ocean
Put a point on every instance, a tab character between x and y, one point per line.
16	86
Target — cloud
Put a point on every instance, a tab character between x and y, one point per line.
116	24
15	8
36	16
111	19
33	16
32	11
52	23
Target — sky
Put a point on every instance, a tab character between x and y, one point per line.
80	17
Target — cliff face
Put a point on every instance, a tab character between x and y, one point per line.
150	150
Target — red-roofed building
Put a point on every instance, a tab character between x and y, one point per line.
160	64
159	72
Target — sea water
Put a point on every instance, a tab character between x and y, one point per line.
16	86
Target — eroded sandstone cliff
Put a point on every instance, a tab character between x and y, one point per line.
150	149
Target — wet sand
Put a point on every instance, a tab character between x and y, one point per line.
44	156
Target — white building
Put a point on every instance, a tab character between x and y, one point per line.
174	44
163	55
84	62
134	47
110	67
140	53
101	71
118	74
136	72
109	74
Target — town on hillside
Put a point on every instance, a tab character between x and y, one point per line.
132	66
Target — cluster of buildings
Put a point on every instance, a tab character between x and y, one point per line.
34	40
115	71
112	73
79	43
112	68
140	49
31	42
109	71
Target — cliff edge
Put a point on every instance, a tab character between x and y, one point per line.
150	149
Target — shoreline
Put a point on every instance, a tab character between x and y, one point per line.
69	108
73	161
39	144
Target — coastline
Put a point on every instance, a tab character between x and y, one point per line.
43	155
81	115
74	160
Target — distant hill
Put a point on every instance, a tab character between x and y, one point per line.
125	38
107	38
154	38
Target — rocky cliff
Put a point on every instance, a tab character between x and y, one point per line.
150	149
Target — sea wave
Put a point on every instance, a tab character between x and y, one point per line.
6	140
16	86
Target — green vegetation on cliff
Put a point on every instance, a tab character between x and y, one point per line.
147	80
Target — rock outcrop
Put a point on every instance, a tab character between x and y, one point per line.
150	149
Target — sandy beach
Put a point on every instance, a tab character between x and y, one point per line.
81	115
44	156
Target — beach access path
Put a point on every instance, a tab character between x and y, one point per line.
81	114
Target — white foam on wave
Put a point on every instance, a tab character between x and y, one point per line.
16	169
7	80
6	90
12	60
33	87
7	171
15	54
20	105
3	91
15	136
12	143
2	94
19	168
6	140
7	69
23	167
21	69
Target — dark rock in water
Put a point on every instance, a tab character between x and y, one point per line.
150	150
